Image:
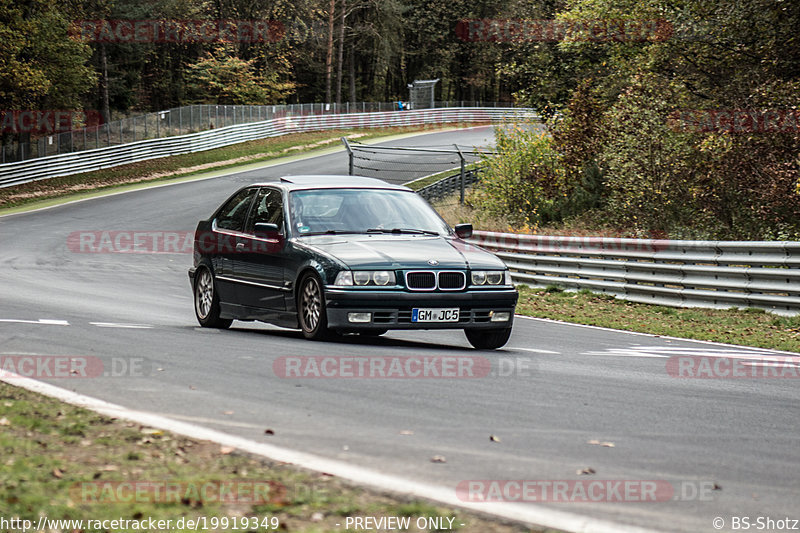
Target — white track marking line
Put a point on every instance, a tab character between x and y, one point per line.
526	513
622	352
675	351
44	321
534	350
215	421
651	335
120	325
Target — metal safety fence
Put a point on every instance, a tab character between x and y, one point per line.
184	120
714	274
108	156
450	185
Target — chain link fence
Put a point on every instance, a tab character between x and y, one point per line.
404	164
184	120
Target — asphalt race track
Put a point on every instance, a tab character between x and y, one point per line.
554	388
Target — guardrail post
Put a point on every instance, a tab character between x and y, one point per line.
463	173
349	154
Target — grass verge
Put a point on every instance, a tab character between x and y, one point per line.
168	168
65	462
745	327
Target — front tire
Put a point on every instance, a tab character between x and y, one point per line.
206	301
488	339
311	309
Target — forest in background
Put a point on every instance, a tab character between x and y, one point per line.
688	130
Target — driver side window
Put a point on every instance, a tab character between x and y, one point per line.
268	208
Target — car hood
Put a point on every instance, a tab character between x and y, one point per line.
402	252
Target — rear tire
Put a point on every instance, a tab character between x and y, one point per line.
206	301
311	309
488	339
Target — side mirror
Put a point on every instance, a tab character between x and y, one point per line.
463	231
267	230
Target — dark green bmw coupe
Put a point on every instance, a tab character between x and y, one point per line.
344	254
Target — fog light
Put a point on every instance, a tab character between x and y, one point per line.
360	317
502	316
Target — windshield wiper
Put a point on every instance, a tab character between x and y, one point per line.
403	230
331	232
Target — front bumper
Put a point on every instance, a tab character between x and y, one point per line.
393	309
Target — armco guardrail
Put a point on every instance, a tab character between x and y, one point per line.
88	160
716	274
449	185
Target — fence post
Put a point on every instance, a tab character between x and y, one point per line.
349	155
463	173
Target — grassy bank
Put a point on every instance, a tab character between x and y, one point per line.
64	462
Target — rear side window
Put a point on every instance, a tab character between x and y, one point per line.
233	214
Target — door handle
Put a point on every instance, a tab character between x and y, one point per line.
239	246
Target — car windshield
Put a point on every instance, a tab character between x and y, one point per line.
321	211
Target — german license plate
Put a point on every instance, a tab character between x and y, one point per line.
434	315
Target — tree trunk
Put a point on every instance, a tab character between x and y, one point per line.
341	56
329	52
106	109
352	68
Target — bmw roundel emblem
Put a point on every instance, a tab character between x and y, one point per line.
433	262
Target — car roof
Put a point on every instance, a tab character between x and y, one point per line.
321	181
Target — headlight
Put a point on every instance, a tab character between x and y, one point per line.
361	277
344	278
348	278
383	277
489	277
479	277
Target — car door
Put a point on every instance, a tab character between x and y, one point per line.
260	262
228	225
